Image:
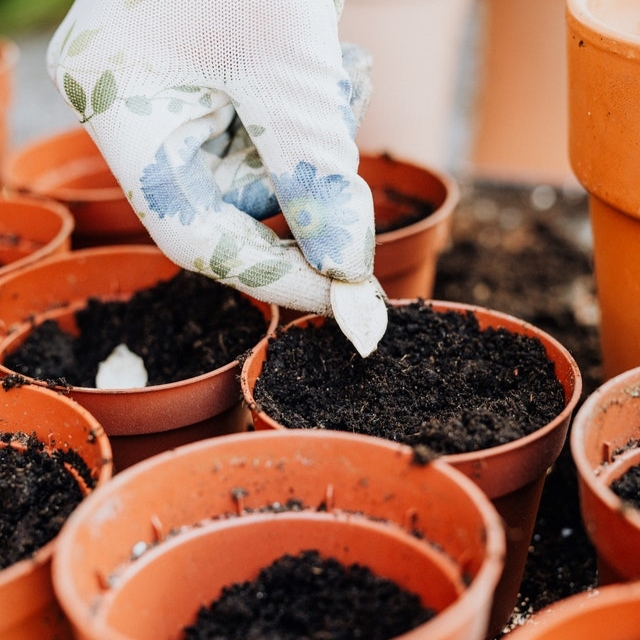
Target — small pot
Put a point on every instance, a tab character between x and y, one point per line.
362	499
512	475
612	612
603	427
55	288
30	230
604	135
405	258
28	607
9	55
69	168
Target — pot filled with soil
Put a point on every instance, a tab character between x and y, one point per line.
413	209
85	322
69	168
30	230
52	454
213	514
491	394
603	48
611	612
605	445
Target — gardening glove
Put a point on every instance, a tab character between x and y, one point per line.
216	115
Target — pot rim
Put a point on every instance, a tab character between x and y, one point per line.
582	11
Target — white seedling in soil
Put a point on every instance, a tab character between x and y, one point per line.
123	369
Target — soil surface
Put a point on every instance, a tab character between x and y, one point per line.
526	250
627	486
38	491
306	596
181	328
435	381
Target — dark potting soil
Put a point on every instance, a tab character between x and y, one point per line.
37	494
436	380
306	596
627	486
181	328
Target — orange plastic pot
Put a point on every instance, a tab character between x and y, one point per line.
205	515
405	258
603	45
512	475
606	423
28	607
30	230
69	168
55	288
9	54
612	612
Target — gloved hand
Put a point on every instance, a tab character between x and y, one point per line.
215	115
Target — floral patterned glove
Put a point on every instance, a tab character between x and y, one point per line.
216	115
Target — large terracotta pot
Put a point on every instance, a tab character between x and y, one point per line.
139	421
603	41
31	229
28	607
68	167
612	612
512	475
207	514
604	439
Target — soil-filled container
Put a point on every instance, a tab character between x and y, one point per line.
605	445
143	420
511	470
68	167
31	229
28	607
214	512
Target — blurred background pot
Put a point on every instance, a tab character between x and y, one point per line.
603	44
28	607
69	168
31	229
612	612
141	421
604	445
512	474
9	55
229	493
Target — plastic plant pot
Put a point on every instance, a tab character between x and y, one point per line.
612	612
202	406
355	494
512	474
602	437
28	607
603	46
69	168
30	230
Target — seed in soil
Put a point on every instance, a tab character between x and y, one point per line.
39	488
437	381
307	596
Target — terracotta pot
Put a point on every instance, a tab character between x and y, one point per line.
357	494
55	288
406	258
512	475
28	607
612	612
30	230
604	134
69	168
9	54
607	421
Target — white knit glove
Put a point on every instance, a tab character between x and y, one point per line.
216	114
